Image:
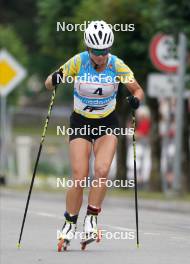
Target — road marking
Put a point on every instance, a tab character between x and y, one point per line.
118	227
45	214
48	215
152	234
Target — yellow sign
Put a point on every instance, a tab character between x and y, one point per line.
11	73
7	73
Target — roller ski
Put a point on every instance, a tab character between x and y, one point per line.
91	232
68	232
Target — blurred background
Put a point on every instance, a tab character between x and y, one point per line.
31	36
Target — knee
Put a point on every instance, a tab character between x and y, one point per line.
101	171
79	175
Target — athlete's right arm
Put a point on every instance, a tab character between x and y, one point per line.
70	68
54	79
48	83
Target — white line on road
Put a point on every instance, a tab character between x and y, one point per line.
152	234
45	214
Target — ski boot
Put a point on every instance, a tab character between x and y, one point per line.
68	232
90	232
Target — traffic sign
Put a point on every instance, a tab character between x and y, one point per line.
164	53
165	85
11	73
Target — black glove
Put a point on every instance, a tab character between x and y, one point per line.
56	77
133	101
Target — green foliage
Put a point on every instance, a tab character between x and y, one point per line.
56	44
56	47
49	168
21	15
10	41
29	30
174	16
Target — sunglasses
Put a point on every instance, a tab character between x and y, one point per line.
99	52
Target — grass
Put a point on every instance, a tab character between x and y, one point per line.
150	195
33	131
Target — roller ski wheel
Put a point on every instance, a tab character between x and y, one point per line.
62	245
99	236
89	240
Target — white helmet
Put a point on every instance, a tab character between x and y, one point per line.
98	35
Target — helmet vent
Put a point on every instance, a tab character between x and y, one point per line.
104	41
96	39
109	38
92	40
100	34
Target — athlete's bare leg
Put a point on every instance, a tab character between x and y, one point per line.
80	150
104	150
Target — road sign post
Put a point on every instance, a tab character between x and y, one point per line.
3	137
177	183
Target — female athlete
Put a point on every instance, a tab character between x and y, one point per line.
97	74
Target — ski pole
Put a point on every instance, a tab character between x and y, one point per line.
36	164
135	178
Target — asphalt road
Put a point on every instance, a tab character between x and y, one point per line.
164	235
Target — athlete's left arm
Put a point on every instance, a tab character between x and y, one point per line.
135	89
126	76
